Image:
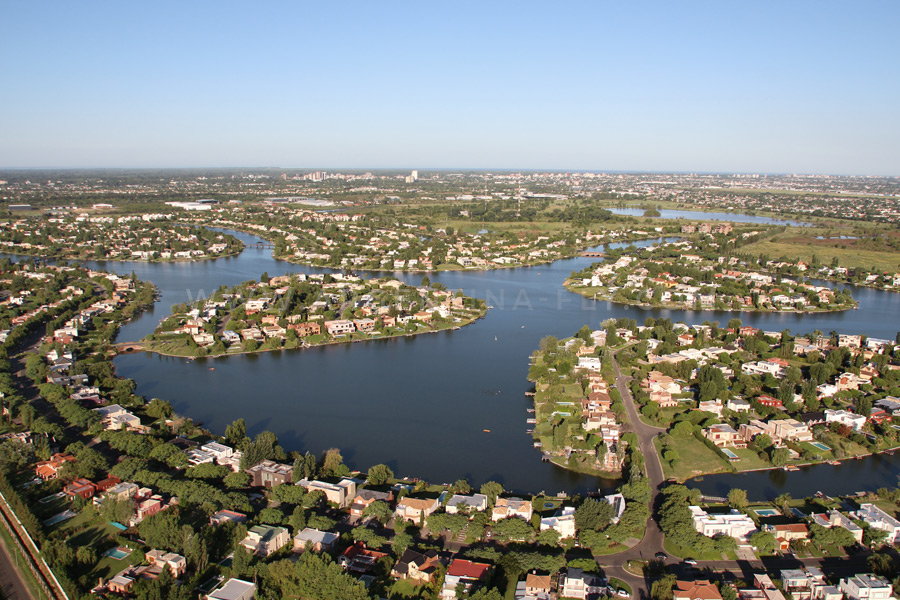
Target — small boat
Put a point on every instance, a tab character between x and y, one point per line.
834	462
495	338
212	368
486	430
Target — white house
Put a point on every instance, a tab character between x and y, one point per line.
878	519
733	524
866	587
844	417
563	522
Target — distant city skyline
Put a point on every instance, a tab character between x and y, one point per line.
768	87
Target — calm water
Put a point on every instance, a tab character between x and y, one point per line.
420	404
665	213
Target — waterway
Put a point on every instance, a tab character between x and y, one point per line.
667	213
422	404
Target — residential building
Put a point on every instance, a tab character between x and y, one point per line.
866	587
879	519
162	559
511	507
416	566
856	422
264	540
415	509
269	473
470	504
563	522
463	572
733	524
537	586
340	493
366	497
223	516
49	469
724	435
359	559
785	533
576	584
835	518
234	589
701	589
315	540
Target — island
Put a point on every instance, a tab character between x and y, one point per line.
144	237
697	275
299	310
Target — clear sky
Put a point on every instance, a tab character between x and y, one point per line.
783	86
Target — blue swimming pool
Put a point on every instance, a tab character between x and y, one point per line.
820	446
117	553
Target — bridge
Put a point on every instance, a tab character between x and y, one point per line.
592	254
128	347
262	245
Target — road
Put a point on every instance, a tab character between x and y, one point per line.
12	585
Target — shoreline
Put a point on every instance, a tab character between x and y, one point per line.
134	260
305	346
569	287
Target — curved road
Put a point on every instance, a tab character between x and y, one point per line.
653	539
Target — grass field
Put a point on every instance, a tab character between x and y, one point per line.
847	257
694	458
748	460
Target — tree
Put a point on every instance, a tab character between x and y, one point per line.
380	511
492	490
662	587
461	486
333	463
304	467
783	502
239	480
593	514
548	537
764	541
236	432
780	456
882	563
379	474
737	499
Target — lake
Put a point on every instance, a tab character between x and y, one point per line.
419	404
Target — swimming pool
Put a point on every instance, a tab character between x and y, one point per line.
767	512
820	446
117	553
731	455
64	515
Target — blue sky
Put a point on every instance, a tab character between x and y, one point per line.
811	87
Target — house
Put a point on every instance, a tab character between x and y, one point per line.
234	589
465	573
797	583
415	509
737	405
723	435
538	586
792	430
306	329
366	497
341	493
854	421
563	522
359	559
785	533
473	503
223	516
733	524
81	488
511	507
764	589
617	501
115	417
269	473
866	587
49	469
702	589
416	566
162	559
264	540
576	584
339	327
315	540
835	518
879	519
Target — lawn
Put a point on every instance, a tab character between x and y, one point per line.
847	257
694	458
749	459
405	588
676	550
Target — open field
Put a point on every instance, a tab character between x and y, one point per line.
847	257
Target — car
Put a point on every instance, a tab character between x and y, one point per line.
661	556
622	594
690	561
